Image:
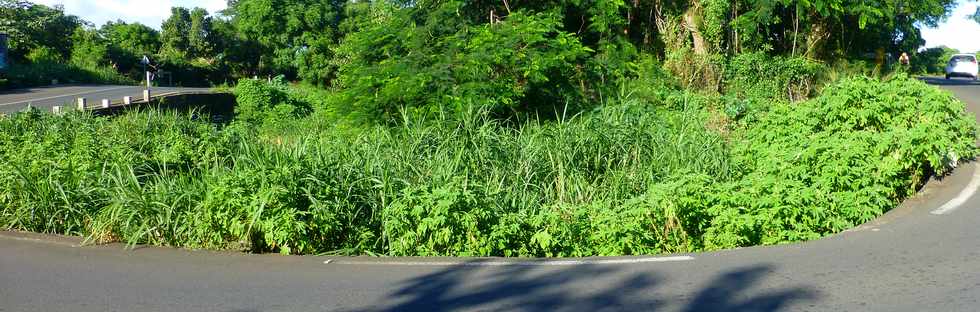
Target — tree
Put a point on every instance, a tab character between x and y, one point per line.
175	34
235	52
429	57
128	43
199	37
297	37
136	39
817	28
32	26
89	49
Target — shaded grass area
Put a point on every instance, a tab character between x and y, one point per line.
45	72
680	173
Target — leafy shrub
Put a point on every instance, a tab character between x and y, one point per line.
442	64
44	55
760	76
837	161
260	101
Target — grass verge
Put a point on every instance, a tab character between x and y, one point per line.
681	173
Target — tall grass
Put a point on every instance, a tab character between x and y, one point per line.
630	177
154	177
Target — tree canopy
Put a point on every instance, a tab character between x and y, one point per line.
332	42
296	36
32	26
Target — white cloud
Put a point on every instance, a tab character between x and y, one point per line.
959	32
148	12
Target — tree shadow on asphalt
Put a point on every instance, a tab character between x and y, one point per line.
585	288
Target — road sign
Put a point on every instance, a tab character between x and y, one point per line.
145	61
3	51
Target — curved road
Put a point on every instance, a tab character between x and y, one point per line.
45	98
908	260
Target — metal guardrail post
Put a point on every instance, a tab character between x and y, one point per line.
82	102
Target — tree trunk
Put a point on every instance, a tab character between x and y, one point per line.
693	26
817	38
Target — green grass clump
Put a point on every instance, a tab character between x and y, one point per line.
676	174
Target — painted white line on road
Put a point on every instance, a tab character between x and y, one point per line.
64	95
964	195
515	263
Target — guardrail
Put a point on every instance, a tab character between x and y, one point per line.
82	103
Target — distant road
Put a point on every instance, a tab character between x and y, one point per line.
921	256
45	98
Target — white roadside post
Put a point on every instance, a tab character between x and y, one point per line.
146	93
56	110
105	103
127	100
82	102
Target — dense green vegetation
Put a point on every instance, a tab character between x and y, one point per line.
315	40
636	176
510	128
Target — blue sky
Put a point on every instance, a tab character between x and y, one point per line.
959	32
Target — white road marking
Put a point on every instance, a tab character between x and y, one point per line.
63	95
515	263
964	195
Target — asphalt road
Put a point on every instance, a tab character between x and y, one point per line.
908	260
47	97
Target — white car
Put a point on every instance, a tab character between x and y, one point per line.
963	65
